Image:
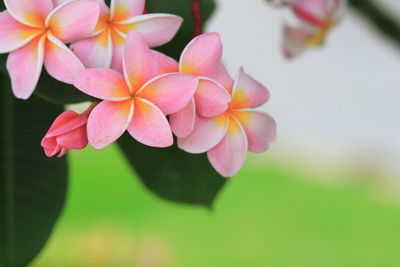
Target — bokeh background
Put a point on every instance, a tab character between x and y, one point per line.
326	194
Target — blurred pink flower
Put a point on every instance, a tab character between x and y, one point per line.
317	18
67	132
201	57
105	48
136	101
35	32
227	137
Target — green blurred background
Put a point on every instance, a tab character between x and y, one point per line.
268	215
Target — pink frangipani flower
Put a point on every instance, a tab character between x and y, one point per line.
317	18
105	48
34	32
201	57
227	137
136	101
67	132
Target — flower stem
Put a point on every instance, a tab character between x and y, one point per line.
378	16
198	23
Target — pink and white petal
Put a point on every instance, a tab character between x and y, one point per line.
66	122
29	12
247	92
60	62
157	29
202	56
108	121
166	64
102	23
75	139
260	129
139	63
149	125
182	122
13	34
24	66
74	20
117	56
295	40
170	92
124	9
94	52
224	79
211	98
105	84
59	2
207	133
229	155
312	11
63	119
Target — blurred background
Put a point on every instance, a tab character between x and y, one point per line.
326	194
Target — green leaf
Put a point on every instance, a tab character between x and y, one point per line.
52	90
58	92
172	173
181	8
32	187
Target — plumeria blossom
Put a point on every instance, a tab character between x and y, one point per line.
317	18
201	57
136	100
104	48
227	137
67	132
34	32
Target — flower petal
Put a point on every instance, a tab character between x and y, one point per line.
229	155
157	29
149	125
224	79
312	11
105	84
59	60
74	20
166	64
14	34
202	56
124	9
75	139
118	43
182	122
211	98
24	67
247	92
295	40
30	12
170	92
207	133
102	23
67	121
260	129
139	63
108	121
94	52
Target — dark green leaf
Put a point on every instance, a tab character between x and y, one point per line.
52	90
55	91
32	187
172	173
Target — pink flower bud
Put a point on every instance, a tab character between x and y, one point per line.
67	132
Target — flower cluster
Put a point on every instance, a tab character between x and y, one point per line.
140	90
316	20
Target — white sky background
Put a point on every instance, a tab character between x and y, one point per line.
343	99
